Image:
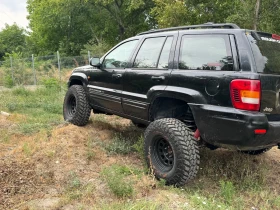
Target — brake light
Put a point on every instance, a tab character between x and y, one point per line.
275	36
246	94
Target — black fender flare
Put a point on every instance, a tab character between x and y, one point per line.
79	76
185	94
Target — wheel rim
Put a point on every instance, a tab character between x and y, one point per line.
163	154
71	105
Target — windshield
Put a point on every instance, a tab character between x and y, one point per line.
266	50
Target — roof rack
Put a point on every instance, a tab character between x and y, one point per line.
208	25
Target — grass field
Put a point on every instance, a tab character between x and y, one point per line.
46	163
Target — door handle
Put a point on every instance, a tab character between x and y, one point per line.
158	78
116	76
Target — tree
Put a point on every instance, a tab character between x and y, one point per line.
12	39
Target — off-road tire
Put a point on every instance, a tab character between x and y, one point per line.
176	136
76	109
256	152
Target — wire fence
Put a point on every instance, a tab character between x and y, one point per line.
38	70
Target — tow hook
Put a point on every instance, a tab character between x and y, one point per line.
197	135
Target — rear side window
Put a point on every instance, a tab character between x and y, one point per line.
205	52
164	57
148	54
154	53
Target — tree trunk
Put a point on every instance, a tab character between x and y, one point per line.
257	13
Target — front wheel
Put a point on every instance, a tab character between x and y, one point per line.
171	151
76	108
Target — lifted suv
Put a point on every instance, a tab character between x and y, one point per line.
211	84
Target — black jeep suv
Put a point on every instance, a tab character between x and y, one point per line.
211	84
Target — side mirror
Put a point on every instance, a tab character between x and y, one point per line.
95	62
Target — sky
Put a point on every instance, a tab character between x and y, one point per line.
13	11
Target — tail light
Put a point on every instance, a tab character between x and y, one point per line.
246	94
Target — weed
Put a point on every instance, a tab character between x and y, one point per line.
131	205
227	191
139	147
26	149
12	106
120	145
115	176
21	91
243	171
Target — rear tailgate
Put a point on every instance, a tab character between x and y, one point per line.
266	50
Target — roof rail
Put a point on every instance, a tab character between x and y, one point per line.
208	25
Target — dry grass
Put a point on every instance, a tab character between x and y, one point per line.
70	167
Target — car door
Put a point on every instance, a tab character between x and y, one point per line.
105	84
152	65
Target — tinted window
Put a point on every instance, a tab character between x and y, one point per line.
203	52
148	54
119	57
266	51
164	57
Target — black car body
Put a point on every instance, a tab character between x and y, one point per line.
221	81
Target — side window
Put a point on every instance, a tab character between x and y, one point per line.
203	52
119	57
148	54
164	57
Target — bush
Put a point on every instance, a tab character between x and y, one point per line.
8	81
51	83
116	178
20	91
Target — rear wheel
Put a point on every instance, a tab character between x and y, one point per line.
256	152
171	151
76	108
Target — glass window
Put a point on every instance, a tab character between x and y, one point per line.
164	57
203	52
266	50
119	57
148	54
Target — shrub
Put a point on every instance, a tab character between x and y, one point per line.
115	176
8	81
51	83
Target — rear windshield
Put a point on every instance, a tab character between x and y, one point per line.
266	50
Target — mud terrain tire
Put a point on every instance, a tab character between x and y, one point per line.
171	151
76	108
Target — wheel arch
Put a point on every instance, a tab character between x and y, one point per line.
173	98
78	79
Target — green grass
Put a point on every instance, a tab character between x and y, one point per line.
116	179
42	108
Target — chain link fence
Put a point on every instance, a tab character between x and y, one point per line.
39	70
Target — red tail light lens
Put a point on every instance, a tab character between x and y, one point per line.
246	94
275	36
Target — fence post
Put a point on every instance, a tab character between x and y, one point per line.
34	71
59	68
88	57
11	59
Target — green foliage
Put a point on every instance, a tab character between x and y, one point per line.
227	191
42	108
119	145
21	91
8	81
116	178
51	83
96	49
139	147
12	39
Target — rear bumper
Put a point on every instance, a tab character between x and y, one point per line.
234	129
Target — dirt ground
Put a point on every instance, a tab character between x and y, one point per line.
35	169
